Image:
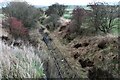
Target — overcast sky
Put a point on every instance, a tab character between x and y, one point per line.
68	2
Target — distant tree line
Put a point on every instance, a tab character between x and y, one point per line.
100	16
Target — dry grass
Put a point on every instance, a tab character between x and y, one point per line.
19	63
66	53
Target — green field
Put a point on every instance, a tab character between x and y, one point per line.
116	29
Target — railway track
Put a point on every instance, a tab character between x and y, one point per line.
62	67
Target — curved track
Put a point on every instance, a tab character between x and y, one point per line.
57	64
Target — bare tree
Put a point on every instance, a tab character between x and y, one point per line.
78	16
103	15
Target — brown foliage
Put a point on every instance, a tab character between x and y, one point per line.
16	28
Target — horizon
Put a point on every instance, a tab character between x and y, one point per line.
64	2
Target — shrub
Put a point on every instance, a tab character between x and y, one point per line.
52	22
24	12
56	9
17	29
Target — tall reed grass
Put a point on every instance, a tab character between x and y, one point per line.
19	63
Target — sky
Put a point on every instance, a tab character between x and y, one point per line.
67	2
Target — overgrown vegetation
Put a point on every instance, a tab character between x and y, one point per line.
51	22
78	16
18	63
56	9
17	29
54	12
23	11
20	17
100	18
103	15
